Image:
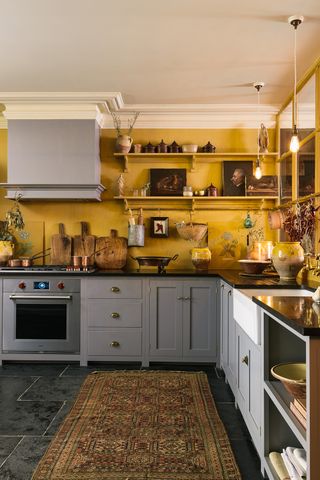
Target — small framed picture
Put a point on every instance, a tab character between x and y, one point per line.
159	227
167	181
235	174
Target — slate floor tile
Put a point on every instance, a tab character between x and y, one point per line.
32	369
58	419
27	418
232	421
12	387
21	464
221	392
53	388
7	445
247	459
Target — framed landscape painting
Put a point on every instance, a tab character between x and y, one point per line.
235	174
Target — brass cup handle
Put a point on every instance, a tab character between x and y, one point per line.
115	289
245	360
186	298
115	315
114	344
179	298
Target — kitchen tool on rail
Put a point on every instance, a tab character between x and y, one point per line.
111	252
84	244
152	261
61	247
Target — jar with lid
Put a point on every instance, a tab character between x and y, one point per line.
212	191
201	258
187	191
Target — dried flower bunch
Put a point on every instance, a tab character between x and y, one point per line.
300	224
13	222
117	123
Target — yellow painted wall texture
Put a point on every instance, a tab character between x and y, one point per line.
227	236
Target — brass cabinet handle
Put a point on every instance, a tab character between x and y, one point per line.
186	298
179	298
115	315
222	286
230	292
115	289
245	360
114	344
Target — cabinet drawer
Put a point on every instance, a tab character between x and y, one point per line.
114	313
114	288
113	341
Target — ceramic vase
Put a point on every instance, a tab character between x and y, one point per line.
287	258
201	258
123	144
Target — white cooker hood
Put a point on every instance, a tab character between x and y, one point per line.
53	147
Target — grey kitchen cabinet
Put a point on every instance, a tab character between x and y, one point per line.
114	317
228	358
183	320
249	384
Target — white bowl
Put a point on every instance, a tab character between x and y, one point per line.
190	148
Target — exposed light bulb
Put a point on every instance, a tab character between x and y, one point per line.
294	142
258	172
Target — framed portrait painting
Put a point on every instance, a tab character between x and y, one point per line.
235	174
167	181
159	227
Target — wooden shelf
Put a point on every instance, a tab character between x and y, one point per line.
193	158
198	203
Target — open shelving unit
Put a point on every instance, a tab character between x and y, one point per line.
282	344
191	158
197	203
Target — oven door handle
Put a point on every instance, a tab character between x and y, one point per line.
40	297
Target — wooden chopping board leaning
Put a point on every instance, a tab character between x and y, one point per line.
84	244
61	247
111	251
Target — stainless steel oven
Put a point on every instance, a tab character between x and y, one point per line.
41	315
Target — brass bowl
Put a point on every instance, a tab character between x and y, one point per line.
292	376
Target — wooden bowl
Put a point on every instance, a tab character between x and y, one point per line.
292	376
254	266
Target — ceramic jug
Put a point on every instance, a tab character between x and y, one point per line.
201	258
287	258
123	144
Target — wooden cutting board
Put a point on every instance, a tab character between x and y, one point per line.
113	254
61	247
84	244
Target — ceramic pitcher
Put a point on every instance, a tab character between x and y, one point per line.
123	144
287	258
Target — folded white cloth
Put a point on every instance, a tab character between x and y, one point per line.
293	474
301	471
301	456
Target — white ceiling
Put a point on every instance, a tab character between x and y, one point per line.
164	52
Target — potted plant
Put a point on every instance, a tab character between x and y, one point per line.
13	223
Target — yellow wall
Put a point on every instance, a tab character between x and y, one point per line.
42	217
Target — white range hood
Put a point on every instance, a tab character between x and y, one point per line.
53	147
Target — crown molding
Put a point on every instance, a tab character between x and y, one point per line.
196	116
98	105
59	105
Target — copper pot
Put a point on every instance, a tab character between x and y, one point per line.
14	262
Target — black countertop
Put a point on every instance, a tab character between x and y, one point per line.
302	314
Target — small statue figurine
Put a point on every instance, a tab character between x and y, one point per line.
263	139
120	182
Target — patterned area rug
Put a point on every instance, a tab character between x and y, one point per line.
141	425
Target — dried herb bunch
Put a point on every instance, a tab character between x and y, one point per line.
13	222
300	224
117	123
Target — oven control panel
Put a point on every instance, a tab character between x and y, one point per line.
42	285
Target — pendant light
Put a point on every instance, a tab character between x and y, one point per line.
258	171
295	21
